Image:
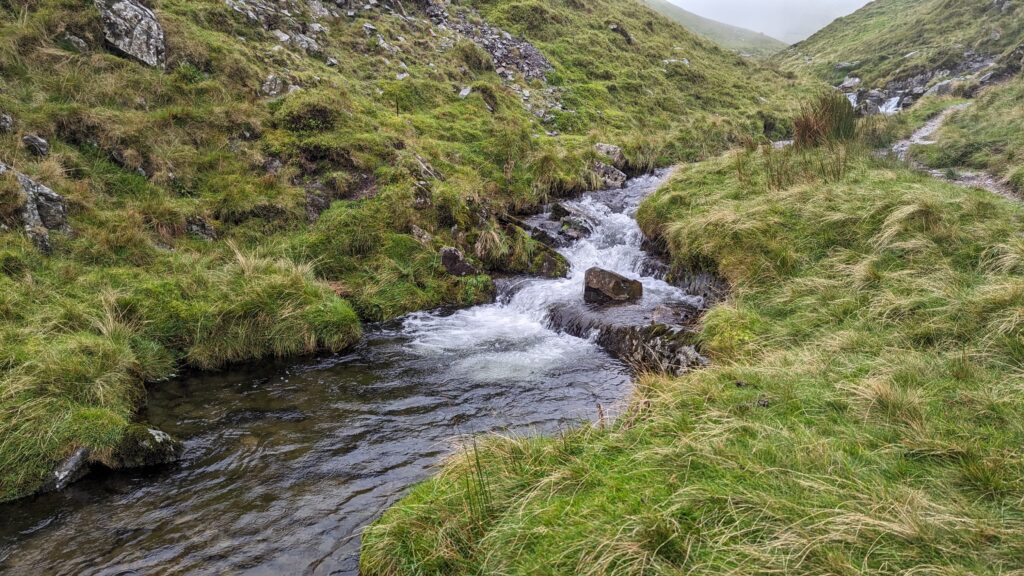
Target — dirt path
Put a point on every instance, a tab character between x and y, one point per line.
967	178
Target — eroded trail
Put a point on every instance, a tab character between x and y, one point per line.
285	464
963	177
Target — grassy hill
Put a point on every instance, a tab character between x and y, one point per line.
285	176
863	413
732	37
896	39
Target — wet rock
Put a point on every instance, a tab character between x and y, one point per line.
73	468
455	263
43	210
36	145
549	264
610	176
199	227
143	446
575	228
630	334
6	124
559	211
604	286
133	30
613	154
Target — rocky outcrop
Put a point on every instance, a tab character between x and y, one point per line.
133	30
6	124
604	286
455	263
904	92
42	209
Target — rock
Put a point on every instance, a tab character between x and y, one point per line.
549	264
76	43
944	88
6	124
421	235
603	286
559	211
133	30
850	83
43	210
465	92
200	228
575	228
610	176
73	468
273	86
612	153
143	446
36	145
455	263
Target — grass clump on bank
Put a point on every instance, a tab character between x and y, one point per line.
862	415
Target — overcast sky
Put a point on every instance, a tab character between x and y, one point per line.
787	20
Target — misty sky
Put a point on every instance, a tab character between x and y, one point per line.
787	20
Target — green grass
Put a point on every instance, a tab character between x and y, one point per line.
894	39
403	168
988	135
862	415
741	40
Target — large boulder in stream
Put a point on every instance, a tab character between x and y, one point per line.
132	29
603	287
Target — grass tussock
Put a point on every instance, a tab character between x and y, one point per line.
828	119
863	413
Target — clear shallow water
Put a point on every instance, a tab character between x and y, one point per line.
285	463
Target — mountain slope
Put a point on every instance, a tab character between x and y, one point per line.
732	37
261	177
890	40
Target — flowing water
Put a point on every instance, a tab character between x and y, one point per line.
285	463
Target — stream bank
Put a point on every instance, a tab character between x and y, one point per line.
285	463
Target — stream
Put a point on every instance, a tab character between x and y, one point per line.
286	462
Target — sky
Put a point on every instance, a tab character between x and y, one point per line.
787	20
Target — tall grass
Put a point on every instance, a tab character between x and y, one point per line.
830	118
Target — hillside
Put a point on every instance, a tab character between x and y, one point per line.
897	40
234	180
735	38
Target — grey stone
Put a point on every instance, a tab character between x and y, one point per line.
44	210
133	30
6	124
610	176
36	144
612	153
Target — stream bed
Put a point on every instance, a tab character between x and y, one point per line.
286	462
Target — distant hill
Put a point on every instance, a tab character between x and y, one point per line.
892	40
731	37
